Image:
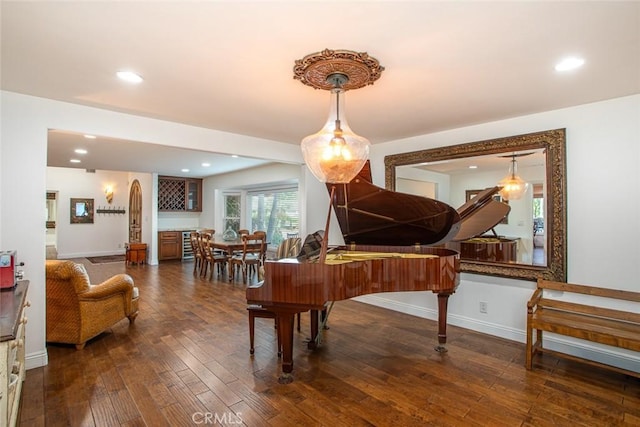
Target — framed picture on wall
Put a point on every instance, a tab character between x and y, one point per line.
470	194
81	211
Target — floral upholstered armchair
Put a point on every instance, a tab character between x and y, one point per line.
78	311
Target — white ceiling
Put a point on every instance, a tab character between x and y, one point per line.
135	156
228	65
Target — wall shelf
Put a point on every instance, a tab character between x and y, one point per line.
107	210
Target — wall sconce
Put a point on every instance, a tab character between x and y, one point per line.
513	187
335	154
108	192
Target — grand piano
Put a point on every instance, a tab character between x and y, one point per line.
389	247
477	217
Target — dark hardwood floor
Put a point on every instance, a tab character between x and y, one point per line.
186	362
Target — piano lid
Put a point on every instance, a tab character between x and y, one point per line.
370	215
480	214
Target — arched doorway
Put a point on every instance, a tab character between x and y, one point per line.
135	212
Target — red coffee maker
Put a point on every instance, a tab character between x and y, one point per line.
8	274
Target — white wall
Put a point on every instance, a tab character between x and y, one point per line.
179	220
603	207
441	181
411	186
109	232
603	150
23	156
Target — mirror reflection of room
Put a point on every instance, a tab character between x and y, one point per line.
455	181
81	209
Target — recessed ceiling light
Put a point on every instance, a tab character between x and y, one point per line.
129	76
473	167
90	136
184	170
74	161
80	151
570	63
206	165
235	156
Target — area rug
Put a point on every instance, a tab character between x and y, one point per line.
105	259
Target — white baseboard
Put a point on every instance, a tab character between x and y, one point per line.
89	254
36	360
604	354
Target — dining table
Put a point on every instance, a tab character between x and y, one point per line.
230	246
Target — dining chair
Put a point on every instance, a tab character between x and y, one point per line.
211	258
289	248
239	235
254	249
194	237
212	233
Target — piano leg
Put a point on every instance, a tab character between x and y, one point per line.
313	341
285	331
443	300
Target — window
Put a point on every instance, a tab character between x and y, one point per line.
538	209
276	212
231	218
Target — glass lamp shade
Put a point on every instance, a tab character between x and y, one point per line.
513	187
335	154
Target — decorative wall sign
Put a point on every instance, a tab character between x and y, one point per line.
81	211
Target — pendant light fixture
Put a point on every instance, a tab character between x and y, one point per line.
513	187
335	154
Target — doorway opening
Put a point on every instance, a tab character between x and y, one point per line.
50	225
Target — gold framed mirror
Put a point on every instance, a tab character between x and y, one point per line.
549	183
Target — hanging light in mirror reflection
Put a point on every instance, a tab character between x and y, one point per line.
335	154
513	187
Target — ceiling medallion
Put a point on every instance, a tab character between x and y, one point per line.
360	68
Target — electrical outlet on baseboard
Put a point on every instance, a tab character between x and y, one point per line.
483	307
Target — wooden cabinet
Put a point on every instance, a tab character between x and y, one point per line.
136	253
12	370
179	194
169	245
194	195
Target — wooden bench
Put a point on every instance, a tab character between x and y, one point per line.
613	327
